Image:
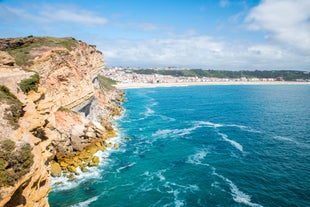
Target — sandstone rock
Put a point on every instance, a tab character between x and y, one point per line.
94	162
84	169
66	80
92	149
109	145
72	169
6	60
116	145
71	177
55	169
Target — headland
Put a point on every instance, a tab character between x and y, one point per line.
55	114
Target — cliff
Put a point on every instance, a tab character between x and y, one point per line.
55	114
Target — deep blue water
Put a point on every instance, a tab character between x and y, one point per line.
204	146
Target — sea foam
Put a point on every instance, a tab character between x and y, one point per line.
237	195
63	183
86	203
198	157
232	142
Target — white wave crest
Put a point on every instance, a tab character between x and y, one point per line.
149	112
86	203
176	189
174	132
232	142
217	125
166	118
63	182
284	138
158	175
237	195
125	167
198	157
208	124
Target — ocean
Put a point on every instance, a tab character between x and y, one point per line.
225	145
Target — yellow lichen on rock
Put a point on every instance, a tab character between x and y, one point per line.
116	145
55	169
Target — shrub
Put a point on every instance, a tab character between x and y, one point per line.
29	84
64	109
15	111
105	83
22	52
15	162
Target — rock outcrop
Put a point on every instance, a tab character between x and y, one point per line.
65	118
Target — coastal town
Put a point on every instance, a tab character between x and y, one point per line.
130	77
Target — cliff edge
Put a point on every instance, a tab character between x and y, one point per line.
55	114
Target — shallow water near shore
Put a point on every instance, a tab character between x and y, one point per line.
204	146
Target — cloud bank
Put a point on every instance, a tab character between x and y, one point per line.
285	24
47	13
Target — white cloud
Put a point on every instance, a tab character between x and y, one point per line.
52	14
285	21
200	52
72	15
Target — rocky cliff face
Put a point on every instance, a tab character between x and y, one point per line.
65	118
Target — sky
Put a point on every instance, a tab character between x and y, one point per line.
206	34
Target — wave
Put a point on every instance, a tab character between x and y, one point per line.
125	167
158	174
176	189
219	125
86	203
166	118
237	195
232	142
196	159
149	111
163	133
66	184
284	138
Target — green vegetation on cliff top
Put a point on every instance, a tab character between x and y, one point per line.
105	83
31	83
20	48
287	75
15	111
15	162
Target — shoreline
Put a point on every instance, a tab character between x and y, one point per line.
184	84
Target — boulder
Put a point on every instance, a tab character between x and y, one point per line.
94	162
72	169
55	169
84	169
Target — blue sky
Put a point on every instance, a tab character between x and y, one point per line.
208	34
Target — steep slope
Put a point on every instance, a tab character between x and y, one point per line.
64	113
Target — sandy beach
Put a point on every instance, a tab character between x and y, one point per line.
180	84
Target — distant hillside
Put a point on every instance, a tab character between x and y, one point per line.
287	75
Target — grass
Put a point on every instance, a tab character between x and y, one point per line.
22	53
64	109
29	84
15	162
15	111
106	83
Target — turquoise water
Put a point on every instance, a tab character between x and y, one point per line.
204	146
